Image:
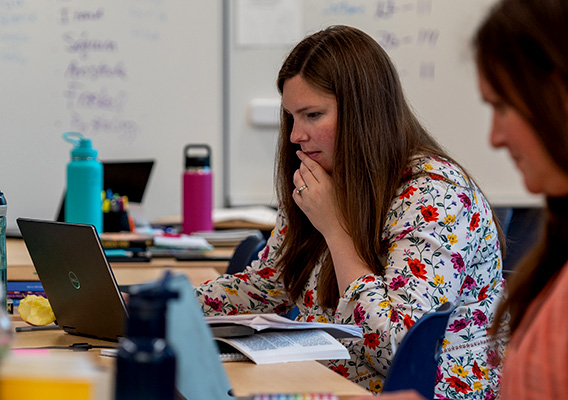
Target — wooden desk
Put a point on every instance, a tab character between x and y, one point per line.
246	378
18	257
128	276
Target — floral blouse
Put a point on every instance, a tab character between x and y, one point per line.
442	245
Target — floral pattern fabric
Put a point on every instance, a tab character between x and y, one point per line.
442	245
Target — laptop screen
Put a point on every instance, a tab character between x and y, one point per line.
127	178
76	277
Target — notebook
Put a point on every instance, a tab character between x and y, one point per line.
76	277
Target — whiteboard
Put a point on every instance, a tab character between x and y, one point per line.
429	42
141	78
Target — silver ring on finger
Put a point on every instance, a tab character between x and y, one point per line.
299	190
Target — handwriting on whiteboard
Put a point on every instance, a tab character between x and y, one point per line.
397	25
86	50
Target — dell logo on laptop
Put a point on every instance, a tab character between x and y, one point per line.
74	280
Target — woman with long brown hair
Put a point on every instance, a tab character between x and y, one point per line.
522	59
377	224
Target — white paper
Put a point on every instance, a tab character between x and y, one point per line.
227	237
256	214
182	242
268	22
276	347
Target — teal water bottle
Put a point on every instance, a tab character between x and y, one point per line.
83	198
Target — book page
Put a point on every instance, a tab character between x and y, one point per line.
301	345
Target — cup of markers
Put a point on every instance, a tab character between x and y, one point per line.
116	217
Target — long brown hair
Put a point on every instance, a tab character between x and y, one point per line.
522	52
377	134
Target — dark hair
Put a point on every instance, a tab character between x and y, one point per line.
377	134
522	52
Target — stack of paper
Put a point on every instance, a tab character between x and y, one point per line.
182	242
227	237
256	214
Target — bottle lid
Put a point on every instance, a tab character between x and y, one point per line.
83	146
197	160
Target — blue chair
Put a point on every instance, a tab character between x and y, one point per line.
245	253
415	362
522	227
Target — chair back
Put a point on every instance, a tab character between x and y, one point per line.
245	252
415	363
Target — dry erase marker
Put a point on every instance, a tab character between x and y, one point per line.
114	207
118	253
106	206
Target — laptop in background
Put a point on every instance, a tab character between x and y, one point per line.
76	277
127	178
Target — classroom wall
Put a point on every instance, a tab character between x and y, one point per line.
141	78
429	42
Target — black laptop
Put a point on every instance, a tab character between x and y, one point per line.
77	279
79	283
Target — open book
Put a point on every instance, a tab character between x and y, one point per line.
273	338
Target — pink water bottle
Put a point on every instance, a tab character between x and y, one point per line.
197	189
